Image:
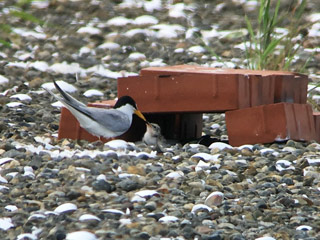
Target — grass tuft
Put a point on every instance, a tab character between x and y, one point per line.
267	49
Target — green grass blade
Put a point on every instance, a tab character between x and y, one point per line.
301	9
26	16
271	48
5	28
249	27
5	43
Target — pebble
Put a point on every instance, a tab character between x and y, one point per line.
65	208
84	235
214	199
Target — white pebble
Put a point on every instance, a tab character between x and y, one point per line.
119	21
66	207
41	139
137	198
66	68
146	193
93	92
85	50
177	10
37	216
29	236
3	80
179	50
117	144
304	228
101	177
39	65
25	33
313	162
200	207
124	221
146	20
248	146
152	5
314	17
14	104
57	104
175	175
268	150
109	45
62	84
214	199
153	154
11	208
3	180
282	165
137	56
5	160
6	223
6	188
196	49
88	217
215	126
220	146
89	30
83	235
289	149
115	211
206	156
265	238
28	172
202	166
167	219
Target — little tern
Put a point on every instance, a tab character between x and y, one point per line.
100	122
153	136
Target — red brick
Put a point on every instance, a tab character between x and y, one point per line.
189	92
289	86
316	118
269	123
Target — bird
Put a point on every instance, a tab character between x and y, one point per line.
153	136
101	122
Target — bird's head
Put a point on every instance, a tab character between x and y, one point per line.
124	100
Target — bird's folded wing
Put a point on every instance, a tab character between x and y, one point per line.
111	119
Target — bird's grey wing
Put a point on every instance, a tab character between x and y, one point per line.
109	118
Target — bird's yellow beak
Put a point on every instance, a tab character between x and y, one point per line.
140	115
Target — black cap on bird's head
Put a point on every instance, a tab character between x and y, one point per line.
129	100
125	100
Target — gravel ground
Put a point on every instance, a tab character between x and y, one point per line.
52	189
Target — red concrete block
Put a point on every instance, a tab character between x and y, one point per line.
288	86
179	69
190	92
291	88
269	123
316	118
